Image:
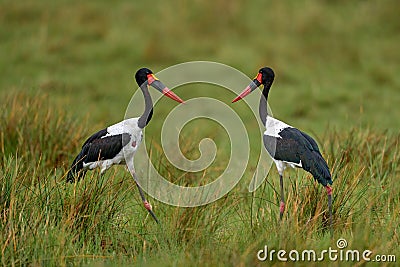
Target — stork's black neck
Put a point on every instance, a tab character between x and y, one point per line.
148	107
263	108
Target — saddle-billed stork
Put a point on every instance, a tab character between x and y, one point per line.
118	143
287	145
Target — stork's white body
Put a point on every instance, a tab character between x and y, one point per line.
287	145
273	128
127	152
118	143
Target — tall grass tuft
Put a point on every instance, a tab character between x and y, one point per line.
38	131
46	222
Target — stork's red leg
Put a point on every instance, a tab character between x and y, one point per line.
329	192
282	205
145	202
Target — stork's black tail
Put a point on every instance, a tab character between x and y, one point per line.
77	171
314	163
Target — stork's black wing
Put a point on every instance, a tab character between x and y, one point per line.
95	136
106	147
295	146
282	149
311	141
97	146
77	165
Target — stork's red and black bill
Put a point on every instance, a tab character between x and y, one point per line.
153	81
250	88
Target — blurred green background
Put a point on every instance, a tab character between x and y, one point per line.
67	70
335	61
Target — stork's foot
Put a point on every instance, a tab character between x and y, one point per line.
147	205
328	190
281	209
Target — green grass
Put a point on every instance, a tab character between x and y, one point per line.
67	71
339	58
48	222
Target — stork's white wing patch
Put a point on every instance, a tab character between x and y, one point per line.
274	127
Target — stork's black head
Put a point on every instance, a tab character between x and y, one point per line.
144	77
265	76
141	75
